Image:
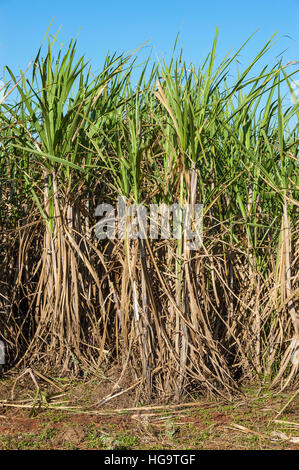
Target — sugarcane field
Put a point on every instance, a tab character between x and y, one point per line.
149	261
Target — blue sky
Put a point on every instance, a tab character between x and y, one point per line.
124	25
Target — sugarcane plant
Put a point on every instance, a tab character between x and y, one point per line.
178	319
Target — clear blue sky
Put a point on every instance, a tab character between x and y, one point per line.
124	25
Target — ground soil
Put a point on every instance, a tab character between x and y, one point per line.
43	412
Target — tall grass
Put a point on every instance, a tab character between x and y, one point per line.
180	320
